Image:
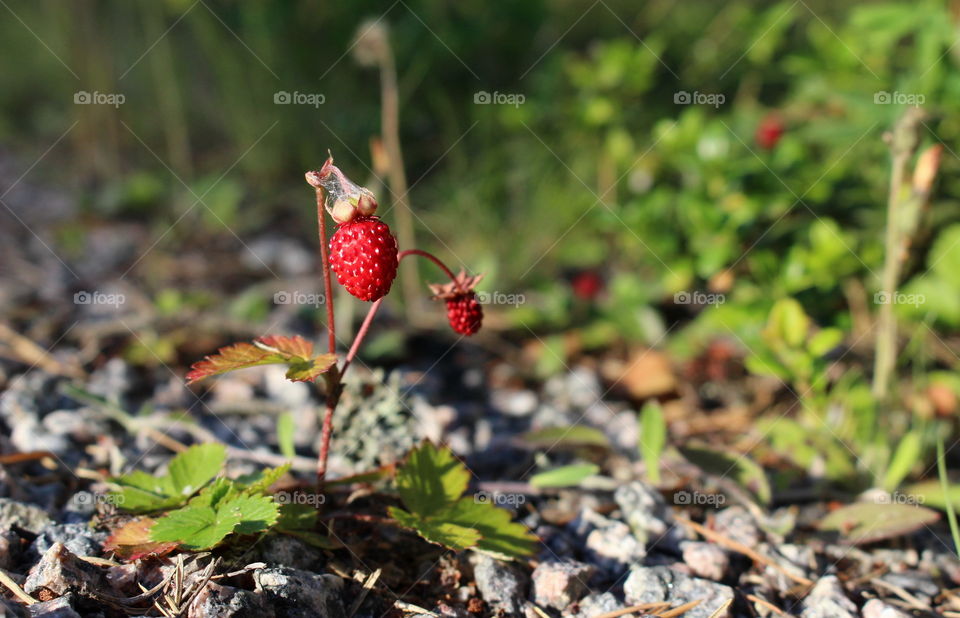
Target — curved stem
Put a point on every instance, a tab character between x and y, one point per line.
367	321
430	257
358	339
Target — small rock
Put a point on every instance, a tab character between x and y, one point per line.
285	550
59	572
297	594
9	549
799	560
705	559
875	608
77	425
514	402
595	605
649	516
79	539
828	600
61	607
558	584
228	602
659	584
736	523
26	516
291	394
80	508
111	381
500	585
608	543
919	584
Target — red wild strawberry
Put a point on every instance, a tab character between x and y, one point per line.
363	254
769	132
587	284
464	311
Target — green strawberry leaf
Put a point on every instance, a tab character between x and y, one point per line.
443	533
260	482
188	472
431	483
195	527
257	513
431	479
195	467
499	534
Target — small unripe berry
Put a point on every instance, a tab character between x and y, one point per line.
367	204
343	211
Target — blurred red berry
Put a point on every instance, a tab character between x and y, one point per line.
769	132
465	313
587	285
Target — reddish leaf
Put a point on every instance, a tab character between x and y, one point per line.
132	541
296	352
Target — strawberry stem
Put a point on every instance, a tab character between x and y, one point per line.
365	327
430	257
358	339
332	378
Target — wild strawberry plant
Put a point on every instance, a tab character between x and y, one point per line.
202	508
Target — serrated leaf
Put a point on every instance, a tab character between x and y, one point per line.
212	495
140	492
297	517
564	476
868	522
431	484
653	438
195	467
132	541
499	534
189	471
574	436
260	482
256	513
196	528
430	479
746	472
440	532
294	351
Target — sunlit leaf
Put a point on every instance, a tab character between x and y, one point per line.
295	352
132	541
564	476
869	522
430	479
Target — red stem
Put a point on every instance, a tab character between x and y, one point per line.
332	380
355	346
358	339
325	267
430	257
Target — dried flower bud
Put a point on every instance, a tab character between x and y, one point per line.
367	204
343	199
343	211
